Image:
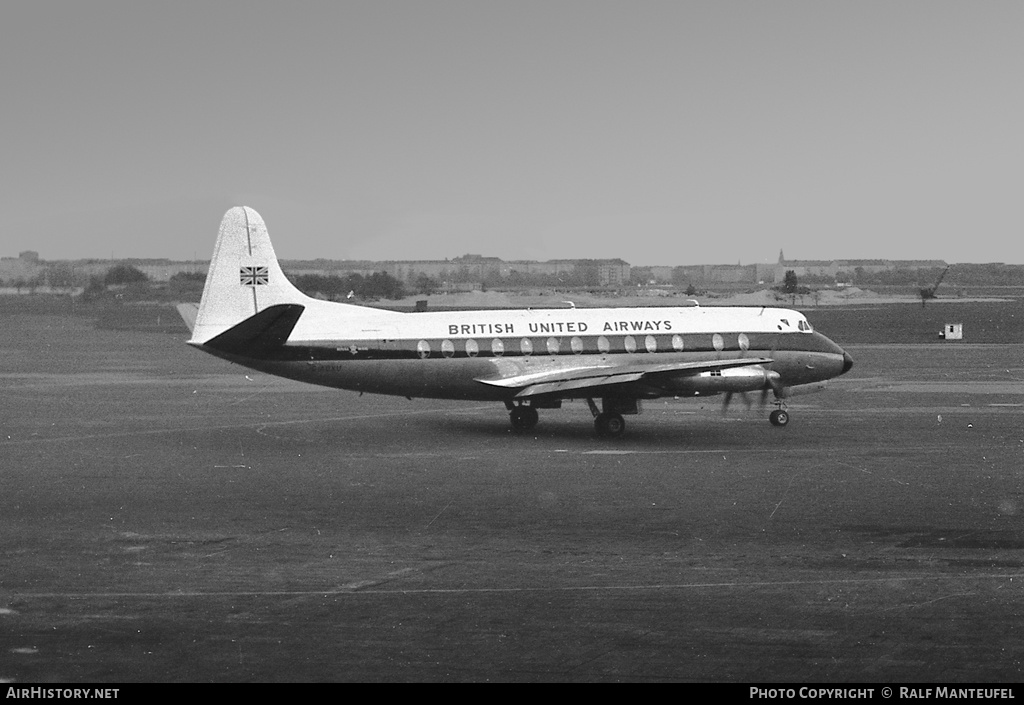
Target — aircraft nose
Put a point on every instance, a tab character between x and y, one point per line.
847	362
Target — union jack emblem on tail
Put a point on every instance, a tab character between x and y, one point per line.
254	276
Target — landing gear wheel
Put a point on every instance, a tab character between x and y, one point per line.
523	418
779	417
609	425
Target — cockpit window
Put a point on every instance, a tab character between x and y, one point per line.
805	326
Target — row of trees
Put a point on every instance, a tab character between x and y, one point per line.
991	274
61	275
379	285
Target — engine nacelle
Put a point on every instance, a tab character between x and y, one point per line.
732	379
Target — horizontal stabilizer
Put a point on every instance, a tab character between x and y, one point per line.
260	333
189	313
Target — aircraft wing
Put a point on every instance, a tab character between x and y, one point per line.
591	377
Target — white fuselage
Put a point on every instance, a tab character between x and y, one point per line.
445	354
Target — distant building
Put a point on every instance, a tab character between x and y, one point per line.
161	270
705	274
831	268
475	269
469	268
24	267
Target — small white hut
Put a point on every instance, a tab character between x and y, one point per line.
952	331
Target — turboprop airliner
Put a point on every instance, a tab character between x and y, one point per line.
614	358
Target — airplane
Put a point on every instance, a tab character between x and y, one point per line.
528	359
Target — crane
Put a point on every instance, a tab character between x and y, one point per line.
928	292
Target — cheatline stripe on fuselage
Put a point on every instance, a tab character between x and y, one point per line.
546	346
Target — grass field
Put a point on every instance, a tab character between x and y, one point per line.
168	516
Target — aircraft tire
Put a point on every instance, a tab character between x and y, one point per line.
523	418
609	425
778	417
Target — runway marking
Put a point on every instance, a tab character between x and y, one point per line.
933	449
257	424
356	588
783	498
926	602
439	514
992	408
369	582
724	452
868	472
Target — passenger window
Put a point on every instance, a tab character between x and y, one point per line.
651	344
497	347
717	342
602	345
472	349
553	345
526	346
744	342
577	345
677	342
630	343
447	348
423	349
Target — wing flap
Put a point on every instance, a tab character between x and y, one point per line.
536	390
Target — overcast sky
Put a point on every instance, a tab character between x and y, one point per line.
659	132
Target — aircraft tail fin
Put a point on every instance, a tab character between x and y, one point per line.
244	277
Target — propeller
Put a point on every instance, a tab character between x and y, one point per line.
747	398
773	383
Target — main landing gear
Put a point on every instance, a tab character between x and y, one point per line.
523	418
608	421
609	425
